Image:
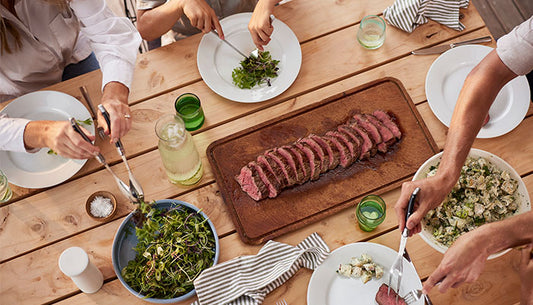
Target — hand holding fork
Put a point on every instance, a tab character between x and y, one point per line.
397	267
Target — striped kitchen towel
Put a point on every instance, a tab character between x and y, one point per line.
246	280
408	14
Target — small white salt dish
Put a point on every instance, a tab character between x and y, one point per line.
94	200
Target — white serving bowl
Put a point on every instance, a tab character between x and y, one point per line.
522	194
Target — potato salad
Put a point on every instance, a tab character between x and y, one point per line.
482	194
361	267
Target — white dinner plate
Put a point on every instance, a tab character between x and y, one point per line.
216	60
445	79
40	169
326	287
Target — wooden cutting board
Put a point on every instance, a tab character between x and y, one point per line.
257	222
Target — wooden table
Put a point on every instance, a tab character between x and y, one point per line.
37	225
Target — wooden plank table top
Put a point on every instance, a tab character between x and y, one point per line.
38	224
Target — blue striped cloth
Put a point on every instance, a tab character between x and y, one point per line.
246	280
408	14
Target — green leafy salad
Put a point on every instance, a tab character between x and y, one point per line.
173	247
255	71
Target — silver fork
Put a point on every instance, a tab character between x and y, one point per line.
282	302
415	295
396	270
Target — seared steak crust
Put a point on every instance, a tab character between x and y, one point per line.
308	157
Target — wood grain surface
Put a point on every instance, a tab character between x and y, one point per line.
311	201
37	225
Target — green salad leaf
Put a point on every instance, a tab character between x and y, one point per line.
255	71
173	247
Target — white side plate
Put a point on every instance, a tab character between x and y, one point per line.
445	79
216	60
38	170
326	287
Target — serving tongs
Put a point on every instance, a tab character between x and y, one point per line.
123	187
135	187
396	269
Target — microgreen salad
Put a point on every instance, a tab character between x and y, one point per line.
482	194
255	71
173	247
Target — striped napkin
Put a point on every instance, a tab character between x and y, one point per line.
408	14
246	280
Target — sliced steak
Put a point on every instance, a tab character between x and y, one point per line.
388	121
268	179
293	162
343	139
383	297
273	168
284	165
312	157
384	131
369	148
251	183
303	162
372	131
324	161
331	151
344	153
353	136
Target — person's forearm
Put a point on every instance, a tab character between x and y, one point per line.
477	95
511	232
155	22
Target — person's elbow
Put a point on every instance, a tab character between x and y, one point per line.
145	28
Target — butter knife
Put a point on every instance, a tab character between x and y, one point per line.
229	44
446	47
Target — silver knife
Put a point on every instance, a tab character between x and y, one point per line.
229	44
446	47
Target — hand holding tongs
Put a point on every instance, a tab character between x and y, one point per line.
121	185
397	267
135	188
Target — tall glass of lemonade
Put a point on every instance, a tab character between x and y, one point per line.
178	152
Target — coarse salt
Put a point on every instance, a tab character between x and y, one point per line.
101	206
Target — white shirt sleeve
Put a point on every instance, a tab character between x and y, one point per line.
12	133
516	48
114	40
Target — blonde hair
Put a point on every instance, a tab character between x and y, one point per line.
8	29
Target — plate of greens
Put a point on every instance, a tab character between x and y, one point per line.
161	248
254	80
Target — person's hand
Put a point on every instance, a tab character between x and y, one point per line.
115	101
463	262
526	275
60	137
260	26
202	16
433	191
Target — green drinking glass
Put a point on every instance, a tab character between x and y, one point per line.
370	212
188	107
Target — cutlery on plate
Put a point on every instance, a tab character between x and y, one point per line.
89	102
396	269
446	47
254	53
121	185
135	187
214	32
